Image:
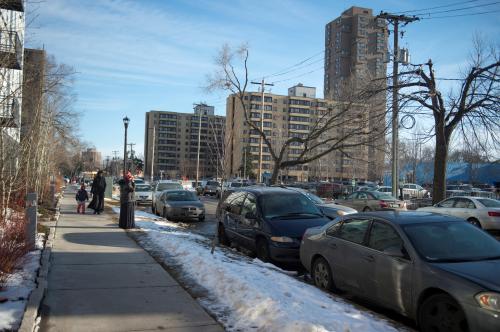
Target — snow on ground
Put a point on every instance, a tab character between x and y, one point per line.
18	288
246	294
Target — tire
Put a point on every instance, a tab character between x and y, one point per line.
321	274
367	209
164	214
474	222
221	235
440	313
262	250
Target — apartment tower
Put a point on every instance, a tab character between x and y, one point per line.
356	53
171	143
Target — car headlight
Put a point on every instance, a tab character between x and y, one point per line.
489	300
282	239
340	212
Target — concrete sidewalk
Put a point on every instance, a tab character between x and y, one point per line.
101	280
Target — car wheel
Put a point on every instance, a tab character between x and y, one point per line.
474	222
221	235
441	313
321	274
263	250
367	209
165	213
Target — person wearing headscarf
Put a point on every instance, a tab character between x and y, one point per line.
127	204
98	189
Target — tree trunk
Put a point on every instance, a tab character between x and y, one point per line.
276	172
440	160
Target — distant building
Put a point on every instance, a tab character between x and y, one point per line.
91	159
285	117
11	65
171	143
355	53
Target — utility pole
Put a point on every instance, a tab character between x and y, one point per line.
197	108
245	163
131	154
394	20
153	156
261	140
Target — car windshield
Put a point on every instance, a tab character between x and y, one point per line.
288	206
315	199
143	187
181	195
380	195
452	242
169	186
212	183
492	203
236	184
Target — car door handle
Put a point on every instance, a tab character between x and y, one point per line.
369	258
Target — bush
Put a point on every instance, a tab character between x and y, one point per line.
13	245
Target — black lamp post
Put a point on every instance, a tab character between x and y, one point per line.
126	121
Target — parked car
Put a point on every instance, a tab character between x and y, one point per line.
161	186
269	221
178	205
330	210
438	270
481	212
372	201
384	189
230	185
210	188
412	190
189	185
143	193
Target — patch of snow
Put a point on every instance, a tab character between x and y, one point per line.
248	294
18	287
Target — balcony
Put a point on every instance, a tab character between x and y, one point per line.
17	5
9	112
11	50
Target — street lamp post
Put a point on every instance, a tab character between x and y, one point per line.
126	121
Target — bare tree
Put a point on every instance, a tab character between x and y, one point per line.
341	126
473	112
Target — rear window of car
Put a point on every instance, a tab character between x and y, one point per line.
169	186
489	202
143	187
212	183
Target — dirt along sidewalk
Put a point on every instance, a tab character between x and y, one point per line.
101	280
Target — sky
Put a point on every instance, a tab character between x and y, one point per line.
131	57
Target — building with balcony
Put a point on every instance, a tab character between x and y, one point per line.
11	63
293	115
171	143
356	53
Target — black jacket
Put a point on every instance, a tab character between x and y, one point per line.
82	195
98	185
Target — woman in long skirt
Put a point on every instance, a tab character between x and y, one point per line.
127	208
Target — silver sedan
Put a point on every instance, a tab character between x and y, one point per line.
481	212
180	205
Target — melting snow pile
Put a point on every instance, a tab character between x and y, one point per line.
18	289
248	294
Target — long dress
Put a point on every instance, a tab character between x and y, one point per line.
127	206
98	190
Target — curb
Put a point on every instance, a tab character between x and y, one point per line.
30	319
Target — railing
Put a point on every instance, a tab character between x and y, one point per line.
10	49
9	110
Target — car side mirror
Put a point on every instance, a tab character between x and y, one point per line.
250	215
395	251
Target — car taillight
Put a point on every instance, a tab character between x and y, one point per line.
494	213
383	204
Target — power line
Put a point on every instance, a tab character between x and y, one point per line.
459	9
298	68
303	74
460	15
438	7
295	65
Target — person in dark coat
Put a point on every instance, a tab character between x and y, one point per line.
127	207
98	189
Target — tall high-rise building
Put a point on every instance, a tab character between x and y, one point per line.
286	116
92	160
171	143
355	54
11	64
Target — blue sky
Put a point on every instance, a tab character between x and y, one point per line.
135	56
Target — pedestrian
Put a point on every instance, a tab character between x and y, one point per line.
127	208
98	189
81	197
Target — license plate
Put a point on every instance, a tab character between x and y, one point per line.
394	205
